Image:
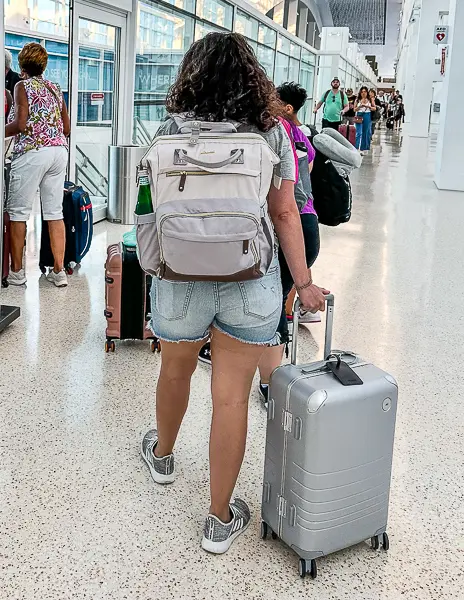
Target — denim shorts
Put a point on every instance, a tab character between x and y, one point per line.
248	311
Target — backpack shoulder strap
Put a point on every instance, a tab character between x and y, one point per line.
326	94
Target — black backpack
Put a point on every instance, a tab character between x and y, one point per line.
331	192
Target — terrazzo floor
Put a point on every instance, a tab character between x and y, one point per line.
80	517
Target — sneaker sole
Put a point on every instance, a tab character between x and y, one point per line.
58	285
16	282
205	361
158	477
264	402
222	547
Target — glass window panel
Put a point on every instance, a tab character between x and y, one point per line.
308	57
108	76
283	44
163	37
17	41
50	17
294	70
56	47
267	36
254	45
246	25
307	78
216	11
266	59
202	29
89	53
281	69
295	50
188	5
57	70
91	32
89	75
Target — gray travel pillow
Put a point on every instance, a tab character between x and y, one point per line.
341	152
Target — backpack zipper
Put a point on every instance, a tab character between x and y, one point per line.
183	176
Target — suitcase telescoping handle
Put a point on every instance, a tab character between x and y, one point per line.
328	327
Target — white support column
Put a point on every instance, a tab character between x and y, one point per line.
449	173
419	109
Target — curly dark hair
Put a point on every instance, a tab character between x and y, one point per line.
221	79
292	93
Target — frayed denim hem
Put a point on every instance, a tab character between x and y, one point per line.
272	342
166	339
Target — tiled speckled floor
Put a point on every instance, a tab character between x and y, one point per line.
79	515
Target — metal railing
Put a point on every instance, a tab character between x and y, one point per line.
141	135
89	176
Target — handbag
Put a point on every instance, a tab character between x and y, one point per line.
358	120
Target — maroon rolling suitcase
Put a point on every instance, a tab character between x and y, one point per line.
127	298
348	131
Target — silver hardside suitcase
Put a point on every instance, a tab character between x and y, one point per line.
329	449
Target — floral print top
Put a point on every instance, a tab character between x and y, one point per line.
44	125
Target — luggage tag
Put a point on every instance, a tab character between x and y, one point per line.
343	372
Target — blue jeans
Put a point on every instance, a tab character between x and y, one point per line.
364	131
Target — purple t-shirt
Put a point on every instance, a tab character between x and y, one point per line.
300	135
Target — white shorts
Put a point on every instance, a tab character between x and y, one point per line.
43	169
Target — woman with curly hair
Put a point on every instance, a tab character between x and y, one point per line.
220	79
40	123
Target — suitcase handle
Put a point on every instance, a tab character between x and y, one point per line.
328	328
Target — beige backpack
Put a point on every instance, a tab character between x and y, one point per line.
209	186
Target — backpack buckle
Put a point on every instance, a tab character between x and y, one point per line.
196	129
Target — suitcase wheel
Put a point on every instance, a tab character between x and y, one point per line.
110	346
303	568
264	530
385	541
5	283
155	345
375	541
42	269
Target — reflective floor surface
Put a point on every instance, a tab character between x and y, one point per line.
80	517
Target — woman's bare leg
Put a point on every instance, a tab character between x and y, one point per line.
18	237
270	360
178	363
57	233
233	367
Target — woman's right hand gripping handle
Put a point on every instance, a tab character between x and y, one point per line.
312	298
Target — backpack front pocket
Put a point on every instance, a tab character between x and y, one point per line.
209	244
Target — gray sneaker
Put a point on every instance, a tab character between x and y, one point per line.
58	279
218	536
17	277
161	469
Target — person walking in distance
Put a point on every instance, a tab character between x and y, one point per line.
364	108
349	114
377	113
220	80
335	105
11	77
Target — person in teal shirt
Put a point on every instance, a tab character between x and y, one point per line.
335	105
